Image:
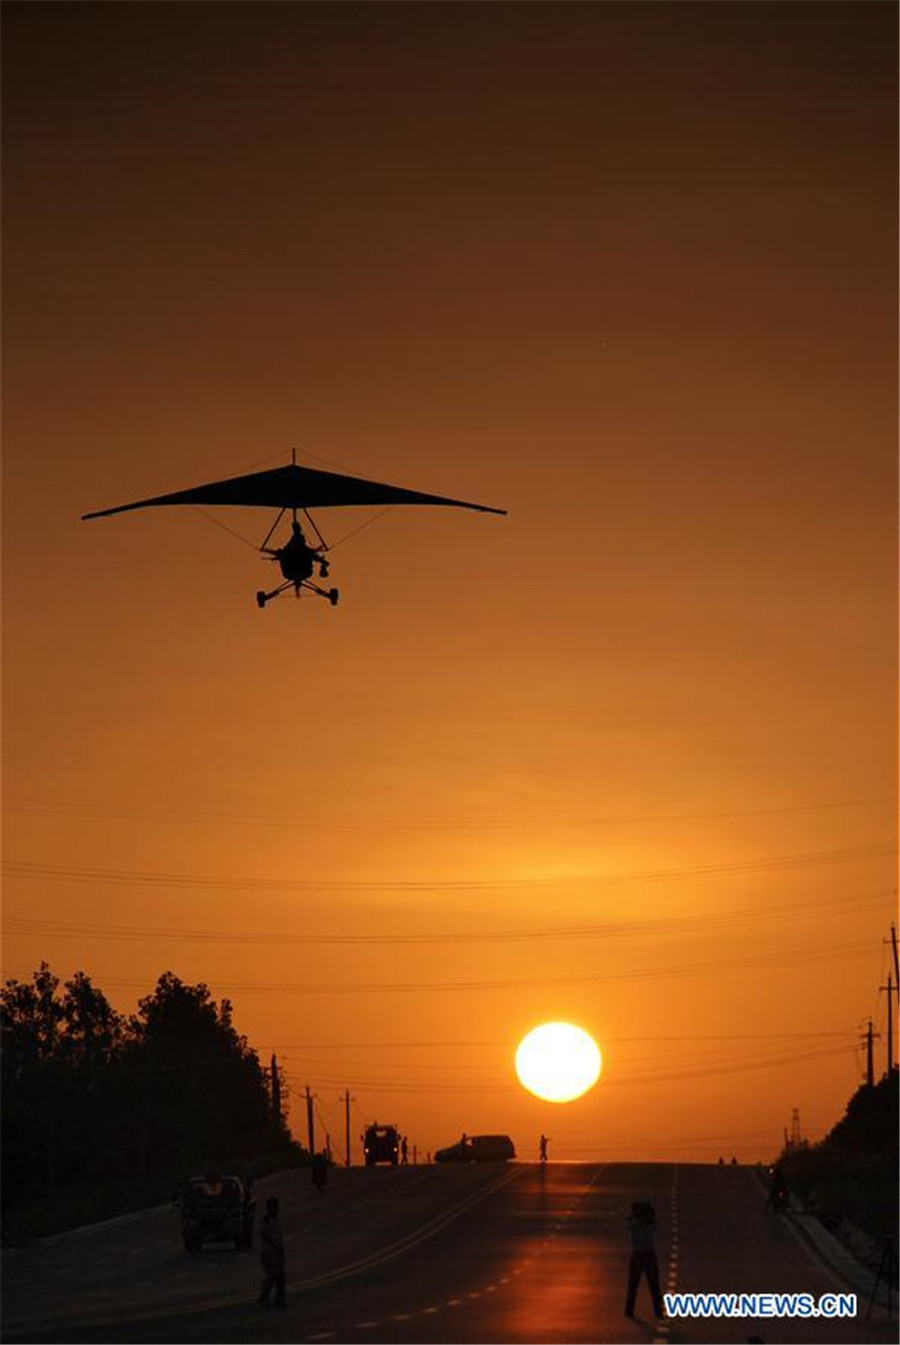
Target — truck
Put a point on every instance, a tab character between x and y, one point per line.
381	1144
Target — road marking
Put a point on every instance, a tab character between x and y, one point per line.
453	1303
366	1326
322	1335
401	1317
662	1327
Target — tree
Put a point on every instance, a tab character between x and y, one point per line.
200	1090
89	1094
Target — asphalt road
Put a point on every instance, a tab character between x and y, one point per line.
496	1252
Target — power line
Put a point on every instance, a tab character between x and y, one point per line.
205	882
512	1042
136	813
618	1078
484	1070
667	971
610	929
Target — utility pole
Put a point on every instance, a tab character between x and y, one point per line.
890	1024
310	1125
347	1100
896	964
868	1038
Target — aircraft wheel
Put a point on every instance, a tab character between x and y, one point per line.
333	596
260	599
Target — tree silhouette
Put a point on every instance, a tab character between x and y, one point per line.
90	1095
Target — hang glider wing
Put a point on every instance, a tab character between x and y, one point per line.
294	487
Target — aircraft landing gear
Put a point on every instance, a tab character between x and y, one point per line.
331	594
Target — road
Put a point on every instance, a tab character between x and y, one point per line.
496	1252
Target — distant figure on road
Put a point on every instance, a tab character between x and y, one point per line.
404	1150
542	1145
320	1170
778	1191
271	1254
642	1226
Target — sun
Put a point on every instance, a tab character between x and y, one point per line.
558	1062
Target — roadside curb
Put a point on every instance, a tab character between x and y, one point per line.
856	1276
825	1246
117	1220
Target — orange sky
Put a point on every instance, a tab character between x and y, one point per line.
627	756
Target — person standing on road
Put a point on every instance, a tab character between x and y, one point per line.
542	1147
642	1226
271	1254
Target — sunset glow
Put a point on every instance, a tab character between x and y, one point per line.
625	757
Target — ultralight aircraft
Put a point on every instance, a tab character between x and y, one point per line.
297	489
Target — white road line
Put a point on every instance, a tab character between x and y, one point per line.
322	1335
453	1303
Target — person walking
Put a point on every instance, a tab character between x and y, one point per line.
642	1226
542	1147
271	1254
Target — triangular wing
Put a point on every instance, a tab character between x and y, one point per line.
294	487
